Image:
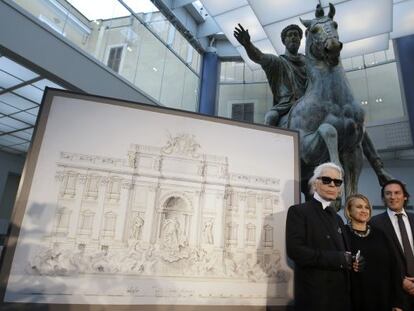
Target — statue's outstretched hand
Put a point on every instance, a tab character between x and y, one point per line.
242	35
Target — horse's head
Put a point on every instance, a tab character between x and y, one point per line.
322	41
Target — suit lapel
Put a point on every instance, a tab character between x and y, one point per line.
389	228
333	230
345	237
411	220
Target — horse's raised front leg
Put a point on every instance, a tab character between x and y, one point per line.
321	146
352	165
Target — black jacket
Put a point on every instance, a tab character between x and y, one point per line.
317	243
383	222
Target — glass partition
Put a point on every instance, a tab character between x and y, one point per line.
133	39
241	86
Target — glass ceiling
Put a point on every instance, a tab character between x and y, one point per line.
365	25
21	92
111	8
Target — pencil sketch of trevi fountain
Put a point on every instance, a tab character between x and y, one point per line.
162	212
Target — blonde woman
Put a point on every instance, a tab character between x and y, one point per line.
378	286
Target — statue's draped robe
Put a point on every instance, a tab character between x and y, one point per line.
287	79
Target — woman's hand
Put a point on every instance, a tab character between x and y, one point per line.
408	285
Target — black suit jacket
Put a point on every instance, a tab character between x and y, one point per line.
383	222
317	247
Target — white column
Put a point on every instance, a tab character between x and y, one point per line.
76	208
96	230
149	215
260	221
242	220
51	225
121	213
155	222
219	224
198	208
195	224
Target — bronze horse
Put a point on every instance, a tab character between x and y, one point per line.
329	120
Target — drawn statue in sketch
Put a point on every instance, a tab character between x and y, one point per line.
79	260
101	261
184	144
172	238
136	227
231	265
47	262
133	262
254	269
208	232
272	266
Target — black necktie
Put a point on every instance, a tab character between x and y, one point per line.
408	252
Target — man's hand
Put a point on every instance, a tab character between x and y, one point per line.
242	35
408	285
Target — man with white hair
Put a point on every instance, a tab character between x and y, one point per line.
316	242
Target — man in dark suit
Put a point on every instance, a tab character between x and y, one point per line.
398	225
316	242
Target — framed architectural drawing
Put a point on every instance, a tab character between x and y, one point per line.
124	206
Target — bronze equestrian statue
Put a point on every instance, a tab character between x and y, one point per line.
329	119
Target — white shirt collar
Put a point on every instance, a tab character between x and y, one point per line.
324	202
391	213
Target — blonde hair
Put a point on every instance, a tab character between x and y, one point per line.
351	199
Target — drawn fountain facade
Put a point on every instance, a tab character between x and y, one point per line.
168	211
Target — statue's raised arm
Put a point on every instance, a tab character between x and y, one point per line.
242	35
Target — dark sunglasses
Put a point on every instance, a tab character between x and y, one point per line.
327	180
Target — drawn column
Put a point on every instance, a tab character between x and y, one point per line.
99	209
149	222
220	207
196	226
126	188
242	220
156	214
80	186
